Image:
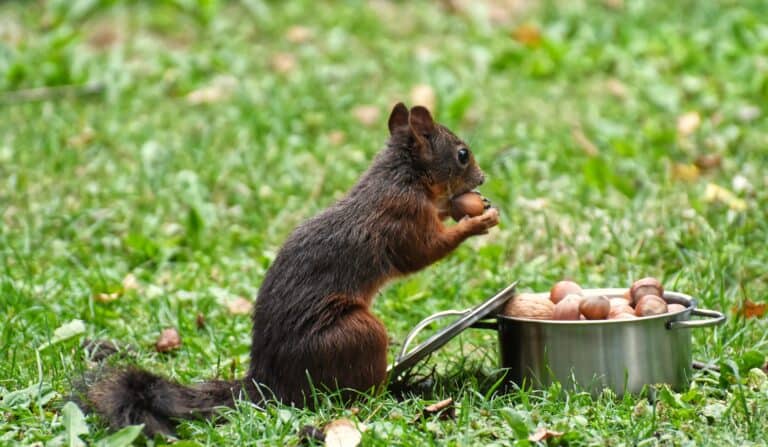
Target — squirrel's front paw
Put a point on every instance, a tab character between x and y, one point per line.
480	224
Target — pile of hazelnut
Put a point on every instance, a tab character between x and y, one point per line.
566	302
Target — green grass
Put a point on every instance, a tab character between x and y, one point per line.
195	199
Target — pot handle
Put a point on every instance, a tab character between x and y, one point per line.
424	323
715	318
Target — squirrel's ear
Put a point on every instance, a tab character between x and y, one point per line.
421	121
398	118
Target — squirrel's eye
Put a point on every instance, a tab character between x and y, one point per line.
463	156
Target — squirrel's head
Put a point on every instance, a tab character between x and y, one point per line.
447	162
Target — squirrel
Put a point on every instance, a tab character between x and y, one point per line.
312	320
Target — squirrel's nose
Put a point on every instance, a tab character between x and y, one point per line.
481	180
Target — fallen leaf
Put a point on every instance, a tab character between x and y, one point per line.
240	306
168	341
309	433
65	332
298	34
81	139
366	115
130	282
715	193
688	123
103	36
707	162
423	95
342	433
748	113
106	297
220	89
283	62
685	172
543	433
200	320
528	35
739	183
750	309
336	137
584	143
616	88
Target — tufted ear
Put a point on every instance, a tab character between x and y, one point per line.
398	119
421	121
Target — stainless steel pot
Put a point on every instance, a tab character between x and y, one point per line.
623	355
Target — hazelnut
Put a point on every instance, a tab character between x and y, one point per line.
650	305
595	308
567	308
674	308
643	287
468	204
563	288
619	305
528	305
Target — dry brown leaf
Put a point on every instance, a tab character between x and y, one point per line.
528	35
240	306
168	341
283	63
707	162
336	137
366	115
342	433
106	297
220	89
104	36
200	320
614	4
715	193
424	95
685	172
584	143
688	123
543	433
616	88
81	139
298	34
750	309
130	282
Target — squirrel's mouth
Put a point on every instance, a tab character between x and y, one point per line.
462	191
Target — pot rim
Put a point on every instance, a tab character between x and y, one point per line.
674	297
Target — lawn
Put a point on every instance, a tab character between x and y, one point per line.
175	144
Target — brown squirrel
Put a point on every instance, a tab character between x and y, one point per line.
312	323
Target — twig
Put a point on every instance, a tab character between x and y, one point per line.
45	93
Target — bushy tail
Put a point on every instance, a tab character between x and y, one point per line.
133	396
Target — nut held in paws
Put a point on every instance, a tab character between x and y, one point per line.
468	204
